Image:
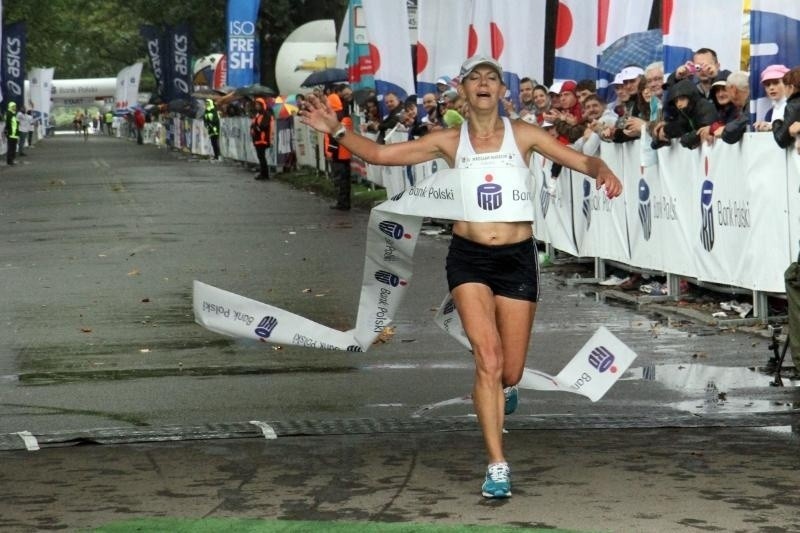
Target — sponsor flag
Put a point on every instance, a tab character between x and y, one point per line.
441	47
243	57
686	27
179	76
496	25
13	63
154	42
576	41
390	46
774	39
359	59
617	19
41	82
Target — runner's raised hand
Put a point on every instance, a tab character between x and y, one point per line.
317	114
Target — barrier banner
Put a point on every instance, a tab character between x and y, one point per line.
201	144
599	223
12	71
479	195
243	50
659	210
553	198
793	194
730	244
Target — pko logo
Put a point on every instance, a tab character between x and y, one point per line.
645	209
266	326
490	195
707	215
388	278
449	307
393	229
602	359
398	196
354	348
586	206
544	197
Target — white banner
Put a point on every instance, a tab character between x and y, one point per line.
480	195
391	59
687	29
441	48
554	205
737	240
41	80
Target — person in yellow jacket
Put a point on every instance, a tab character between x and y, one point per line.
109	121
11	133
260	132
339	156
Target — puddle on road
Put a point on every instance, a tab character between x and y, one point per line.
687	377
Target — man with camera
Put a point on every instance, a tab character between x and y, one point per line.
703	68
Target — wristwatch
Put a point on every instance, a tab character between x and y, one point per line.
338	134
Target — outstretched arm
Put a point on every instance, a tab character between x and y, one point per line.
317	114
537	139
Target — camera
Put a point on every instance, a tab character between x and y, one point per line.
694	67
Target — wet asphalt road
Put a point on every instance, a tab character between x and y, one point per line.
100	243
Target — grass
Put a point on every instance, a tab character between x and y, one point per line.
363	195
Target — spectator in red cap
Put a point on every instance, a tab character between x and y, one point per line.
772	80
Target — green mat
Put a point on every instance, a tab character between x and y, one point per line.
211	525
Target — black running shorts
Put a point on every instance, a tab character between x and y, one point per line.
510	270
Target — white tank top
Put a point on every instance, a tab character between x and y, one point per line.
508	156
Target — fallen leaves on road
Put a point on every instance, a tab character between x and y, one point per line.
385	335
86	330
134	272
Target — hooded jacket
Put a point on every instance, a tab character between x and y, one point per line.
684	123
791	114
260	125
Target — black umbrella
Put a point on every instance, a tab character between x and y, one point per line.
182	106
255	90
325	77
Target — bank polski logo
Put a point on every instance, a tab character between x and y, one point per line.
602	359
645	209
544	195
398	196
586	205
393	229
707	215
388	278
354	348
266	326
490	196
449	307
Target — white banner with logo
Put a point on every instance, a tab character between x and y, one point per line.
479	195
793	194
554	205
599	222
731	244
660	207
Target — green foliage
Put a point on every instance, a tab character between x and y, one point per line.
97	38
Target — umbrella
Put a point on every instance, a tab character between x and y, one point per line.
208	93
325	77
640	49
255	90
180	105
284	110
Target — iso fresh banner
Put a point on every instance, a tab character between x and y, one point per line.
12	71
740	234
243	48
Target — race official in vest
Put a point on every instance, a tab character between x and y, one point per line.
340	101
211	121
260	133
11	133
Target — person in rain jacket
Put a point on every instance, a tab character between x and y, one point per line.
787	130
11	132
260	134
686	112
211	121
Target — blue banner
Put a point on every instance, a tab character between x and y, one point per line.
156	51
243	51
178	80
12	71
